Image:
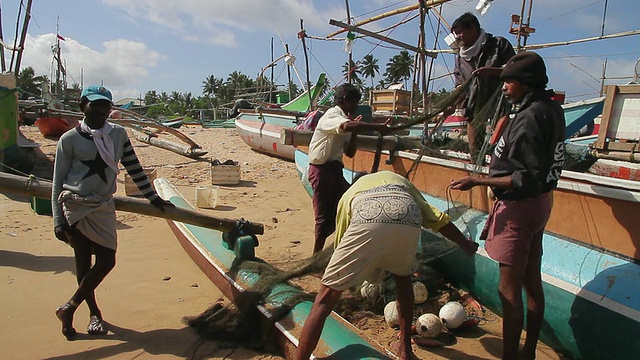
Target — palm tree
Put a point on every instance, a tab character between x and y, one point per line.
151	97
164	97
355	70
381	84
211	85
30	84
400	67
237	80
369	67
188	101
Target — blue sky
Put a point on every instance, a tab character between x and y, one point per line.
165	45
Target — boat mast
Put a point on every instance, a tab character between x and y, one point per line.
350	53
23	36
303	34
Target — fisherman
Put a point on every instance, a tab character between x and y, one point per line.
482	55
84	181
525	167
334	136
378	225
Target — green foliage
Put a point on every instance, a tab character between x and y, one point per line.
399	67
369	67
30	84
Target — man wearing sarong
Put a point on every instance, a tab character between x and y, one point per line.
525	167
378	226
334	136
84	181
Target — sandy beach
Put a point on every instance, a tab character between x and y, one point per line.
155	284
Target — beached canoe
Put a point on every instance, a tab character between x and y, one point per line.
54	127
340	339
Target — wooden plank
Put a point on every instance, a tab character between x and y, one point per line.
601	143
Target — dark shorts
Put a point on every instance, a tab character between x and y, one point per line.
514	229
328	185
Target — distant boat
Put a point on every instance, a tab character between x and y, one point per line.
54	127
260	128
173	123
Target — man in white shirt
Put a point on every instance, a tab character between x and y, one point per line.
332	138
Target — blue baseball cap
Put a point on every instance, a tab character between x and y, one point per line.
96	92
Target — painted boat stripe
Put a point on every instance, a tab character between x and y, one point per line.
586	294
559	254
622	194
257	131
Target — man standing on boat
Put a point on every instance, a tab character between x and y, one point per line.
334	136
481	55
525	167
84	181
379	220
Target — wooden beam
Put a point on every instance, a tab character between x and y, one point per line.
382	38
33	187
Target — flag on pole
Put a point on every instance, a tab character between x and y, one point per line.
60	37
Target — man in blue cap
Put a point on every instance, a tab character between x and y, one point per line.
84	181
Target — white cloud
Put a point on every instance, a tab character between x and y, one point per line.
222	22
118	64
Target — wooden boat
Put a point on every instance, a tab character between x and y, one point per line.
340	339
54	127
260	128
591	262
173	123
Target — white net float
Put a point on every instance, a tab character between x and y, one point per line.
420	293
429	326
452	314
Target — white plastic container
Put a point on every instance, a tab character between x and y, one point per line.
207	196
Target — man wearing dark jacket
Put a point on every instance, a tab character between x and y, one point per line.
480	54
525	167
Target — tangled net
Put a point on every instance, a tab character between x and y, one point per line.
237	323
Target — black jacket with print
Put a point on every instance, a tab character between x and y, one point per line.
531	148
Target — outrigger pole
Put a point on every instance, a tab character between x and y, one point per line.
391	13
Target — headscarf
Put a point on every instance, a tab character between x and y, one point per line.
103	142
468	53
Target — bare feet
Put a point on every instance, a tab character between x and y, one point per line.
96	326
404	354
65	315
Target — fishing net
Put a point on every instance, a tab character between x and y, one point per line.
237	323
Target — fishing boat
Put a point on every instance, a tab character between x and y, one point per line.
54	127
591	262
260	127
173	123
339	340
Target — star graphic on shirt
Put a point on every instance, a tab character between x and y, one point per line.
96	166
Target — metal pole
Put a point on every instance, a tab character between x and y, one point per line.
604	16
350	56
23	36
286	48
4	65
518	47
435	44
271	85
306	60
423	59
604	71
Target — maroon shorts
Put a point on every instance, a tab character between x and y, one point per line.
514	229
328	185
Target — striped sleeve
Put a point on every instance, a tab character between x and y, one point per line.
132	165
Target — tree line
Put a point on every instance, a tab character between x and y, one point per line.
221	93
